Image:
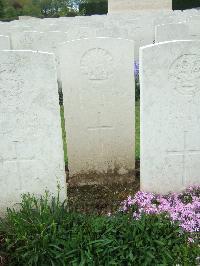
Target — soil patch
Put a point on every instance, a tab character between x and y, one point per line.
101	199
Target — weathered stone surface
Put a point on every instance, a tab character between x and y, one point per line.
4	42
31	151
98	87
171	32
39	41
131	5
77	32
170	116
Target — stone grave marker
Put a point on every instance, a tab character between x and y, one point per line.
77	32
132	5
39	41
98	89
170	116
31	153
171	32
4	42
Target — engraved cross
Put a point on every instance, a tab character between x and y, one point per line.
18	160
184	154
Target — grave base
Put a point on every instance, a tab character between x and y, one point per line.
94	178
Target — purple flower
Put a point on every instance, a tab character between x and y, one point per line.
136	70
183	207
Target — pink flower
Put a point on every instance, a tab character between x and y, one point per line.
183	207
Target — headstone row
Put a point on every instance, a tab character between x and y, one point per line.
97	78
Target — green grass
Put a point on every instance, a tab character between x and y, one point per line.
137	128
63	133
43	233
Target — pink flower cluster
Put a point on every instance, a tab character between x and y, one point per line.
183	207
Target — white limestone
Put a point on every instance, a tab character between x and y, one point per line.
40	41
4	42
98	88
178	31
171	32
31	149
77	32
131	5
25	17
170	116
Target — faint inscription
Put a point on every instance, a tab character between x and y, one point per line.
6	122
97	64
10	85
18	160
27	40
184	153
184	72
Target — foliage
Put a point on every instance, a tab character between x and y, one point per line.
137	130
137	81
1	8
63	133
44	233
91	7
38	8
185	4
179	207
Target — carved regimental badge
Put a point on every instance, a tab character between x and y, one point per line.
97	64
184	73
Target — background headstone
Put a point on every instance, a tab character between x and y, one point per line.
171	32
4	42
131	5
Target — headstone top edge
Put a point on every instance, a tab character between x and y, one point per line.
168	42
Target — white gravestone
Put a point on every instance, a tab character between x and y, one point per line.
31	150
77	32
172	32
132	5
4	42
170	116
39	41
98	89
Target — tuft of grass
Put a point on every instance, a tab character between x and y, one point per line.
137	130
44	233
63	133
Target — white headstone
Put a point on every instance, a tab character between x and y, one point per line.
31	153
170	116
171	32
40	41
4	42
131	5
77	32
25	17
98	88
178	31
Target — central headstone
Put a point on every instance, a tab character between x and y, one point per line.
132	5
98	89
